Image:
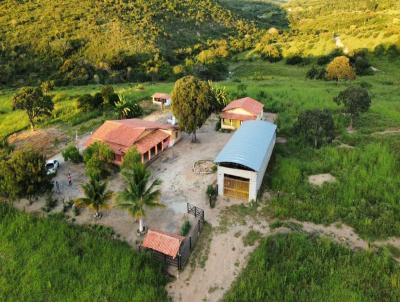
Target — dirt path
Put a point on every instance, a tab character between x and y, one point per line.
228	256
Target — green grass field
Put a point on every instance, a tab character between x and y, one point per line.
298	267
49	260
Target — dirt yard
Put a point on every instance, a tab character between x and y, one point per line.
48	141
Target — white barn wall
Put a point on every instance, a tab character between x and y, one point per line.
252	176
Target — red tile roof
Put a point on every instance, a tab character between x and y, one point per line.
122	134
161	95
162	242
247	103
151	140
235	116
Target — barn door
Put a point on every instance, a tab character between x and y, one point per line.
236	187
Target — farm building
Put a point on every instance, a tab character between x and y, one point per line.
167	247
149	138
244	159
238	111
162	99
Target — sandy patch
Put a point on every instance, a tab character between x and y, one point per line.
281	140
320	179
48	141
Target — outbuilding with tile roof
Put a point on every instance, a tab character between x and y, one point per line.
239	111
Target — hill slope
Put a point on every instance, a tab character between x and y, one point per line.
41	35
358	24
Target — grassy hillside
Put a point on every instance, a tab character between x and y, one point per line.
49	260
358	23
38	37
297	267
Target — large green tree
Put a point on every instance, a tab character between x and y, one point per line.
96	196
98	158
139	192
315	126
24	175
356	100
192	101
34	102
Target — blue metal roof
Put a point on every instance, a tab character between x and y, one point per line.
248	145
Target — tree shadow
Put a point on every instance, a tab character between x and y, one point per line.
265	14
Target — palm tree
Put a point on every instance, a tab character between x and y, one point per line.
96	195
139	193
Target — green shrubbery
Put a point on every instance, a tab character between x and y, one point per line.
71	153
358	197
299	267
72	263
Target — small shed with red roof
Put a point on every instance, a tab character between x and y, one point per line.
160	98
238	111
166	246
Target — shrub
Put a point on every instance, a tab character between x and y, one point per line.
362	66
316	73
340	69
71	153
51	203
98	158
315	127
294	60
185	228
212	193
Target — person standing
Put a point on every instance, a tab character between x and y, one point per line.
69	179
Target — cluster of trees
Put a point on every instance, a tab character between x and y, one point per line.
130	41
23	175
317	127
341	67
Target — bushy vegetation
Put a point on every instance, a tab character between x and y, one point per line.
71	153
71	263
299	267
358	197
23	174
98	158
112	41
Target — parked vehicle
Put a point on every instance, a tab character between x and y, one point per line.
52	166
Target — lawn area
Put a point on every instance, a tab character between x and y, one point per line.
300	267
66	114
45	259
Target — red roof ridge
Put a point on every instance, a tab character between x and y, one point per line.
247	103
163	242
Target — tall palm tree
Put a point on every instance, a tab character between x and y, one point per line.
139	192
96	195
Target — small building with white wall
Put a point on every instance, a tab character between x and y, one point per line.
244	159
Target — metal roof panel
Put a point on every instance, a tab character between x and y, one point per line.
248	145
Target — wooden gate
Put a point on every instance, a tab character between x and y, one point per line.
237	188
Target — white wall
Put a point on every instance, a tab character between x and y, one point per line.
252	176
255	178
